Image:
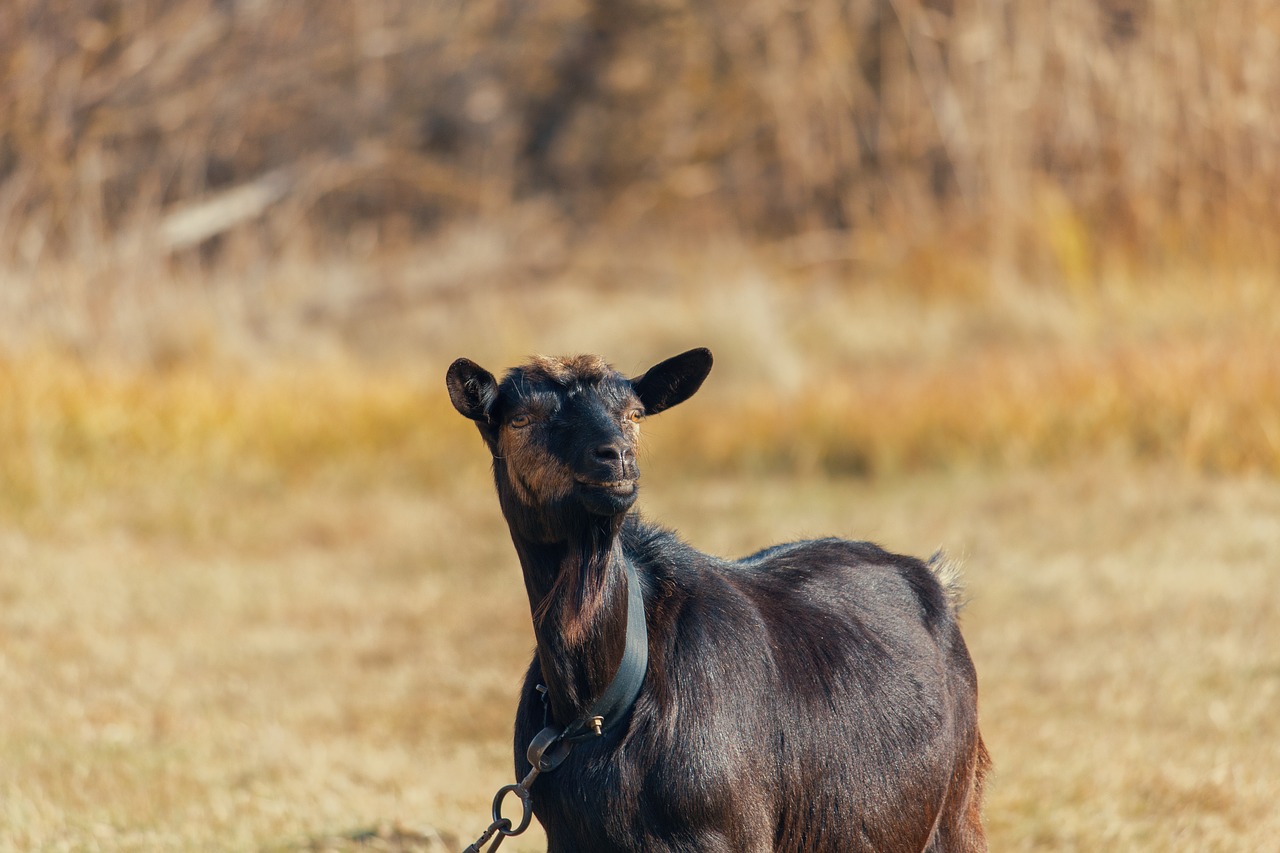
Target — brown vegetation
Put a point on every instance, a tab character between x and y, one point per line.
296	664
1054	135
240	242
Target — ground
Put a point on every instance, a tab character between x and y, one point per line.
305	666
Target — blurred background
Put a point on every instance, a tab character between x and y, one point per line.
1000	275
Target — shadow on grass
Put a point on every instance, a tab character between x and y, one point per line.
392	838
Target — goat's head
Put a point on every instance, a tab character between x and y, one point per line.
564	432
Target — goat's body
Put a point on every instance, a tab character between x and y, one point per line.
816	696
813	697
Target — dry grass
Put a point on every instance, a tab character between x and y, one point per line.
998	276
812	376
1055	136
259	602
336	659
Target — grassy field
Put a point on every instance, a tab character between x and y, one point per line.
997	277
269	603
322	661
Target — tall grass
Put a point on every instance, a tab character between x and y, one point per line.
72	430
1003	392
240	240
1055	137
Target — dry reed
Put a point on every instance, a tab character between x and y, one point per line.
71	429
1052	136
240	241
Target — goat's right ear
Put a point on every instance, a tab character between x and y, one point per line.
672	381
472	389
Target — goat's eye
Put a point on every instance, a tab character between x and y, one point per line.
635	415
520	421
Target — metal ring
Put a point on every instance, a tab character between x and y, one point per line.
525	800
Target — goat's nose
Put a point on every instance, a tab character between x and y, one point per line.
611	453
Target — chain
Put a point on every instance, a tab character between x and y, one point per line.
498	826
545	753
501	825
551	746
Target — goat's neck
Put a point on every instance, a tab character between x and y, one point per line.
578	596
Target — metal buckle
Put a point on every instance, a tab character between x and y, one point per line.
548	750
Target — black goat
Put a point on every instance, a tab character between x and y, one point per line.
816	696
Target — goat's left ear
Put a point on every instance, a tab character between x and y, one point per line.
471	388
672	381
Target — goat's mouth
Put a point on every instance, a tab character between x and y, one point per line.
617	488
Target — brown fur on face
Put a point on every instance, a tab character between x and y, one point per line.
536	476
536	473
566	371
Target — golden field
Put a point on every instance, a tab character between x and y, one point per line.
329	663
270	603
997	276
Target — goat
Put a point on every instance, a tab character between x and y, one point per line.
815	696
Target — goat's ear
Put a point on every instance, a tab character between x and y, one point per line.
672	381
471	388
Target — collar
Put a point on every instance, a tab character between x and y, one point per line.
551	745
620	695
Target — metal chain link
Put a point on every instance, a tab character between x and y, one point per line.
501	825
546	752
551	746
498	826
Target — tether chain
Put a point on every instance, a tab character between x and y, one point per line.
552	745
546	752
499	826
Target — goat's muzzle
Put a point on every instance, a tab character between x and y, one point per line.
608	497
618	488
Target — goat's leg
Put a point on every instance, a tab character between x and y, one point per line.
960	825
